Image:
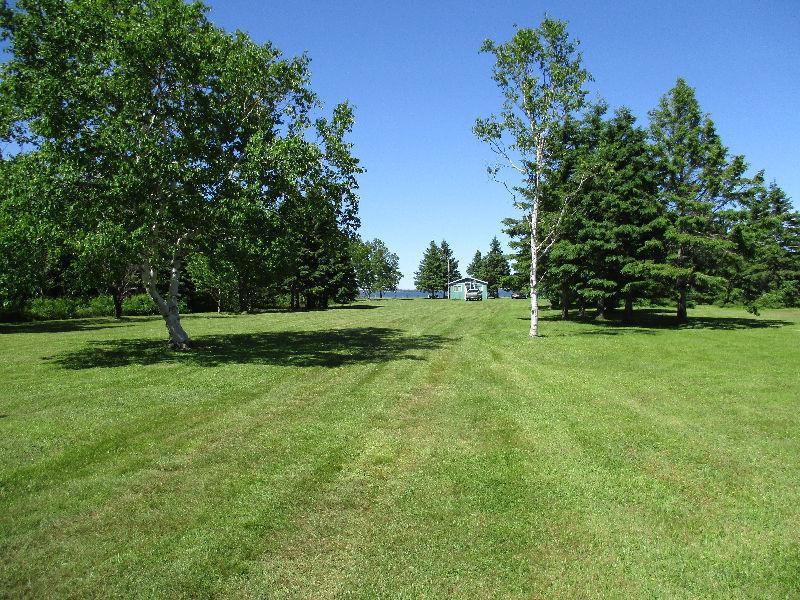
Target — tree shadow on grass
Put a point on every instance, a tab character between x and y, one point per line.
334	348
355	306
651	320
68	325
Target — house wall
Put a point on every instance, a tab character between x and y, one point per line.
457	291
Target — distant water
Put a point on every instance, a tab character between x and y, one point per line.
418	294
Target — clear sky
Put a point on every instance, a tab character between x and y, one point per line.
413	71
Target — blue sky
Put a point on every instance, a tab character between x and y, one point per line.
413	71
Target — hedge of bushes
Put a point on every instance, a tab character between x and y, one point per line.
46	309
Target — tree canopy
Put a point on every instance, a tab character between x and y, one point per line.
145	117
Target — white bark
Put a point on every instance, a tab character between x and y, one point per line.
178	338
534	332
534	272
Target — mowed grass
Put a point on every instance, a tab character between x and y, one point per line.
402	449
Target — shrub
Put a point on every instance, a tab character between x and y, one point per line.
99	306
46	309
142	304
139	304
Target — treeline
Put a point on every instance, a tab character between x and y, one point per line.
152	151
492	268
613	213
663	214
437	268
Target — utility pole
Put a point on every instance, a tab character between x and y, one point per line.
448	278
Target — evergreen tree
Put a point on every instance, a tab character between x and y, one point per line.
697	180
518	229
428	277
448	267
495	268
767	237
475	268
618	238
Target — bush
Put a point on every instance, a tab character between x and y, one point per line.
142	304
783	297
46	309
139	304
100	306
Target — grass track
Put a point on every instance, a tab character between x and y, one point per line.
402	449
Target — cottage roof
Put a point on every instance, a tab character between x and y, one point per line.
466	279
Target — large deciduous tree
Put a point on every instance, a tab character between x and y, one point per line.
540	74
386	266
165	126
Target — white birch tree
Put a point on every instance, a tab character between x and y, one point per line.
541	77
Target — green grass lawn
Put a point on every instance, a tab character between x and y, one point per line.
402	449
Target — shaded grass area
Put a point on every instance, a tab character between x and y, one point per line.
330	348
427	449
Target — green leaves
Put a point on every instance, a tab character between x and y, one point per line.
540	74
153	120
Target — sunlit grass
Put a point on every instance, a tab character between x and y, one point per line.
402	449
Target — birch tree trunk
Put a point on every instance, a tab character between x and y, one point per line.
534	273
178	338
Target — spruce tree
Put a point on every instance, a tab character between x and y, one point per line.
495	268
475	268
448	267
697	180
767	237
428	277
623	221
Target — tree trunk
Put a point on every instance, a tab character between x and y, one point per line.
534	332
682	314
627	316
602	310
178	338
117	294
564	300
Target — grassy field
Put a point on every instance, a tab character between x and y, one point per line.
402	449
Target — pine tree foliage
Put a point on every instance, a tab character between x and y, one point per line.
698	180
475	268
767	237
428	277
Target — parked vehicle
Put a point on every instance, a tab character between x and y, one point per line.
518	295
474	294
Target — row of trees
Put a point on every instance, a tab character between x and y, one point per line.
614	213
492	268
437	268
668	216
147	148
